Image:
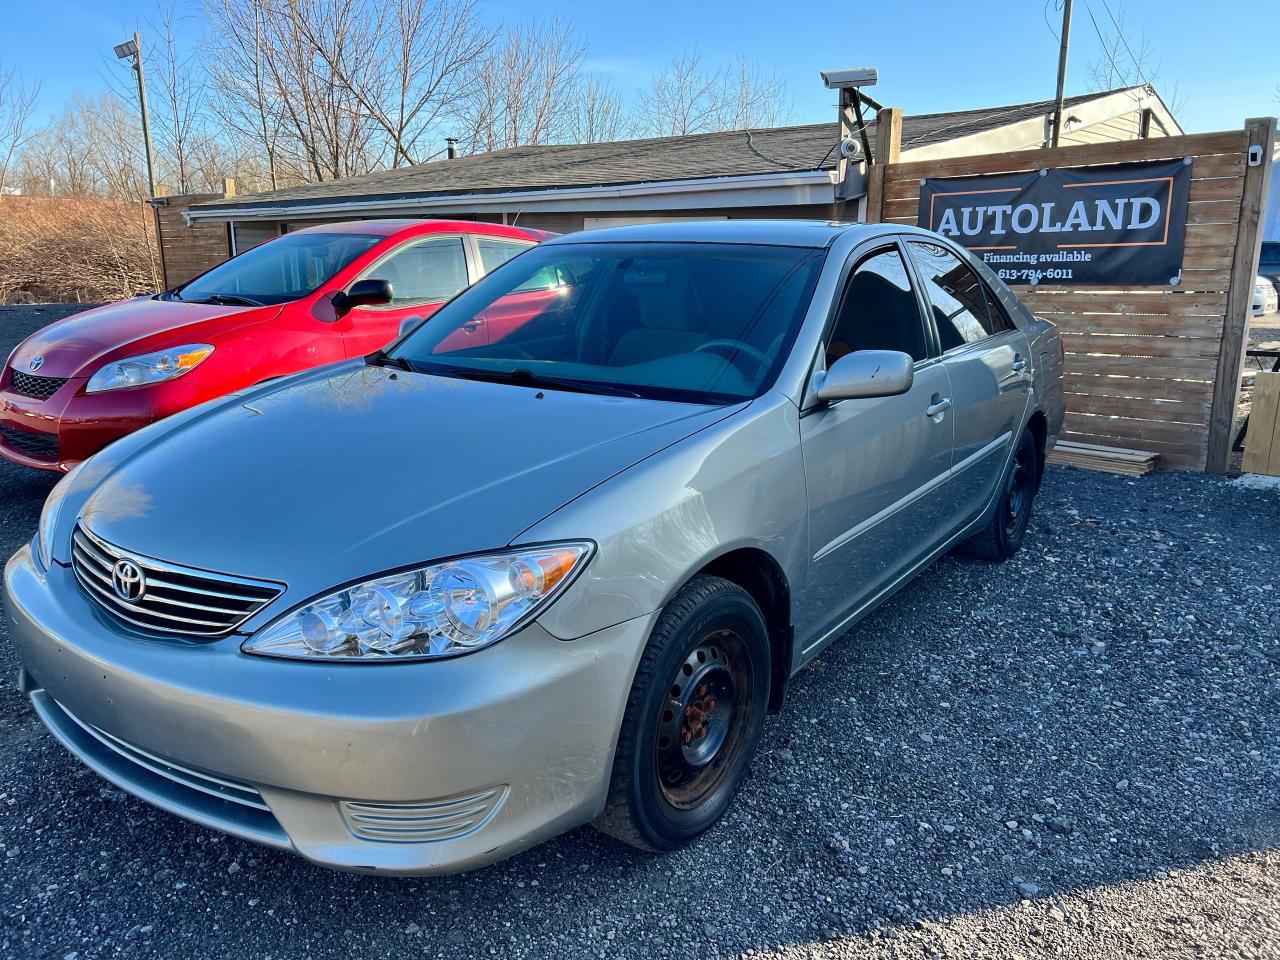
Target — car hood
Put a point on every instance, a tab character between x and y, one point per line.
344	472
79	344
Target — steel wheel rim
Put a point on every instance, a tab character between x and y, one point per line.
1017	494
700	727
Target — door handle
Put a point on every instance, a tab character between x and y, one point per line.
938	407
1018	364
472	325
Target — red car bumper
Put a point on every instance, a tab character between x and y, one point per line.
58	431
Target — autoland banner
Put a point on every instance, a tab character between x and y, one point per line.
1122	224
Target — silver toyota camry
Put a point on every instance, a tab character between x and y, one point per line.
548	559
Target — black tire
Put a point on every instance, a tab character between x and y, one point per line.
693	718
1003	535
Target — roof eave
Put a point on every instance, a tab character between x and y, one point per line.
815	186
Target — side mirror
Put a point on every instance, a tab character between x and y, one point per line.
363	293
867	373
408	325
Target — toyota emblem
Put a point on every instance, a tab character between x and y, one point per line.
127	581
36	363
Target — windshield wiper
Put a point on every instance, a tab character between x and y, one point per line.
523	377
229	300
380	358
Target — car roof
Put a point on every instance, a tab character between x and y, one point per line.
392	226
784	233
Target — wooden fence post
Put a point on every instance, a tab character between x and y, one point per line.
888	149
1244	268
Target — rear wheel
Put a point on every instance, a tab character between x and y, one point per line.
693	718
1003	535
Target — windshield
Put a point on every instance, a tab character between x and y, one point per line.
695	322
287	268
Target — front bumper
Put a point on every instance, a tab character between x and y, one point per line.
57	432
397	768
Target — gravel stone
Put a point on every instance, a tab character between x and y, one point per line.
972	699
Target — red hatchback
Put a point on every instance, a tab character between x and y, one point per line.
311	297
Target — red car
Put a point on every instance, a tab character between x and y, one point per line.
311	297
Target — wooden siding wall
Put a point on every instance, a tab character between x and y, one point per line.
1152	367
186	252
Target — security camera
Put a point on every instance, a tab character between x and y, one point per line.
850	149
857	77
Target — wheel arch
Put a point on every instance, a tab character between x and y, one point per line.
762	577
1038	424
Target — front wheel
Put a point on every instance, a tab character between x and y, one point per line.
1003	535
693	718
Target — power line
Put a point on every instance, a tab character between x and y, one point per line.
1120	33
1047	22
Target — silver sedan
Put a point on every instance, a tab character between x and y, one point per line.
548	559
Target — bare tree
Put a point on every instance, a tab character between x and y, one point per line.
91	149
1125	57
274	86
682	99
333	88
754	97
179	122
597	112
685	98
417	57
17	105
523	87
110	133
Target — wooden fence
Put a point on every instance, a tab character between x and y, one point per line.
1154	367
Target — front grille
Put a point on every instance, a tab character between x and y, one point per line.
421	822
29	385
172	599
43	446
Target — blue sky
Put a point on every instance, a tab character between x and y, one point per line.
933	55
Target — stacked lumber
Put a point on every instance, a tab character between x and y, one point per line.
1089	456
1262	448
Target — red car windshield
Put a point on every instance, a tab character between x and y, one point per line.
279	271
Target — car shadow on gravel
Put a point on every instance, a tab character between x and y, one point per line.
1103	709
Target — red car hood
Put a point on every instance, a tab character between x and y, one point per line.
79	344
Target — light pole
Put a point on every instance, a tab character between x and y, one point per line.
132	50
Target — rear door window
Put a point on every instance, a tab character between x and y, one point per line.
959	299
494	253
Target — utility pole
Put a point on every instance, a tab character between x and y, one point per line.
132	50
1062	71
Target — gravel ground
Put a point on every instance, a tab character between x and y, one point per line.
1074	754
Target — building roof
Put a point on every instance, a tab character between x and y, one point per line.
735	153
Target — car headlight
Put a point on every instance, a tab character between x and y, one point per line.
440	610
49	515
148	367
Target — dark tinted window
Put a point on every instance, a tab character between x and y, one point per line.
287	268
424	272
958	297
878	310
